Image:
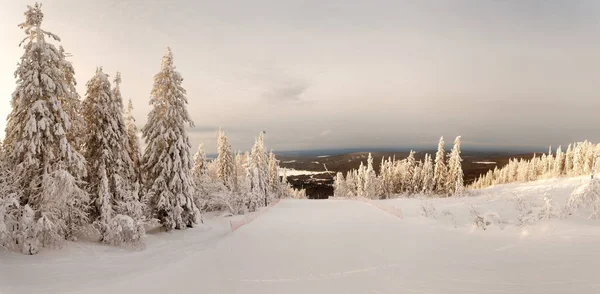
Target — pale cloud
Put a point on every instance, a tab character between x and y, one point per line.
325	133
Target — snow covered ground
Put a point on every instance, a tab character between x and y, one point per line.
341	246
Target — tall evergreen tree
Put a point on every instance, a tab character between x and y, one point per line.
569	160
454	182
40	152
71	102
167	162
427	175
225	162
440	170
260	168
370	186
274	182
133	145
112	179
559	162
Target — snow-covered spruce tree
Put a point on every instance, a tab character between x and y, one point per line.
351	184
274	176
252	198
340	188
370	180
568	160
167	163
210	194
200	163
224	158
260	168
71	102
427	175
386	183
578	160
409	173
112	182
550	162
43	160
559	162
417	179
133	146
440	171
455	173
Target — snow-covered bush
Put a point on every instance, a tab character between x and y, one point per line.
477	219
548	210
483	221
448	214
124	229
586	197
493	218
428	210
525	210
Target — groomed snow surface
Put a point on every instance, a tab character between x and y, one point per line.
341	246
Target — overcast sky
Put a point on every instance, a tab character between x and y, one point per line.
349	73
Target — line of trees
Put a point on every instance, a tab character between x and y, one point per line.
440	176
240	182
579	159
70	167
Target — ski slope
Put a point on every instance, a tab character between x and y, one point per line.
337	246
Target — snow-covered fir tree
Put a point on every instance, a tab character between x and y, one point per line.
409	172
167	163
370	181
454	182
440	170
71	102
386	181
133	145
224	158
254	197
417	178
40	152
112	181
260	169
427	175
200	176
569	160
559	162
340	186
274	183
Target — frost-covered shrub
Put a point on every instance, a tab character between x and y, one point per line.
477	219
483	221
448	214
525	210
548	210
493	218
123	229
428	210
587	197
